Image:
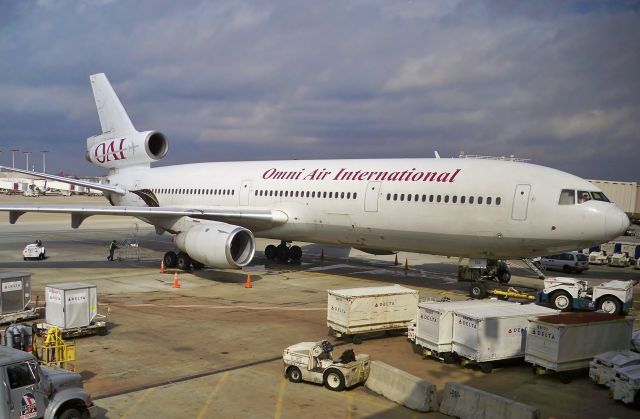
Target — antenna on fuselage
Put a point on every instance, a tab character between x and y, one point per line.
436	153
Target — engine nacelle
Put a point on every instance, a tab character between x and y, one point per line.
218	245
131	149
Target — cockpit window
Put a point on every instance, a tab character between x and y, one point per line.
583	196
599	196
567	197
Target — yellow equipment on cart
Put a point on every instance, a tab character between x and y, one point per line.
54	351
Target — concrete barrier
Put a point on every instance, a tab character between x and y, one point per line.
402	387
467	402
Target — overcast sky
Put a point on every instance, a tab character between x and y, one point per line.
557	82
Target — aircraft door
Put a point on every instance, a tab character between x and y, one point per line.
371	197
245	188
520	202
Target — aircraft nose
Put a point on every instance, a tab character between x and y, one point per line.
615	222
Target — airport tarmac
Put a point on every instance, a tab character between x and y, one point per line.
212	348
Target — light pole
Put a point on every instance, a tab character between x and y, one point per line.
26	153
13	158
44	162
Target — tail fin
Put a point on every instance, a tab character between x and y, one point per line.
113	117
120	144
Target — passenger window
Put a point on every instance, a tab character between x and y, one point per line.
20	375
402	197
409	197
479	200
424	198
489	201
471	199
324	194
348	195
567	197
454	199
341	195
462	199
498	200
395	196
430	198
446	198
583	196
439	198
388	197
355	195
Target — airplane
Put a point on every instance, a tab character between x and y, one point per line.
482	209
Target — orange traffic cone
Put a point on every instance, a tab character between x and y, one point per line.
322	254
396	261
248	283
406	265
162	270
176	283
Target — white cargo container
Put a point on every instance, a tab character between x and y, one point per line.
491	333
569	341
625	386
15	294
71	305
362	310
602	368
434	324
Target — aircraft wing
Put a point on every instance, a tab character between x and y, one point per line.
77	182
79	214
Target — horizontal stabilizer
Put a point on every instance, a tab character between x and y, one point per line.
92	185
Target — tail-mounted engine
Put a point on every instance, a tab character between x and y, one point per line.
133	149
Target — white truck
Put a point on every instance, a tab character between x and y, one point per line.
34	250
313	362
620	259
598	258
567	294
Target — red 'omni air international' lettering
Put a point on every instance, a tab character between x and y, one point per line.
409	175
104	152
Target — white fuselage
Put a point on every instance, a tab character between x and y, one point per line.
417	205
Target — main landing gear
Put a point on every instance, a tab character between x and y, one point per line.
483	269
284	252
181	261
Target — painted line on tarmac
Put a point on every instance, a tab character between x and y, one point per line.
138	402
222	307
283	386
212	395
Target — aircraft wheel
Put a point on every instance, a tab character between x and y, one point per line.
504	277
283	253
170	259
295	253
183	262
486	367
270	252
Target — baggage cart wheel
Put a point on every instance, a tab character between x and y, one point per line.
357	340
486	367
334	380
449	358
478	290
294	375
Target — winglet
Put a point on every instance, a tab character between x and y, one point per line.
113	117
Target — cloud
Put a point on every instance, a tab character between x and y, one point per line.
338	79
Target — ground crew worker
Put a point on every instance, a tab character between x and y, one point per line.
112	248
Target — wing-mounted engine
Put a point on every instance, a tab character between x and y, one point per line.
218	245
133	149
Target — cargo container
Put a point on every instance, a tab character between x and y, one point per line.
434	325
491	333
625	386
602	368
16	291
570	341
362	310
71	305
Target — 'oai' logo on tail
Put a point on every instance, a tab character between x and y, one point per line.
105	151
